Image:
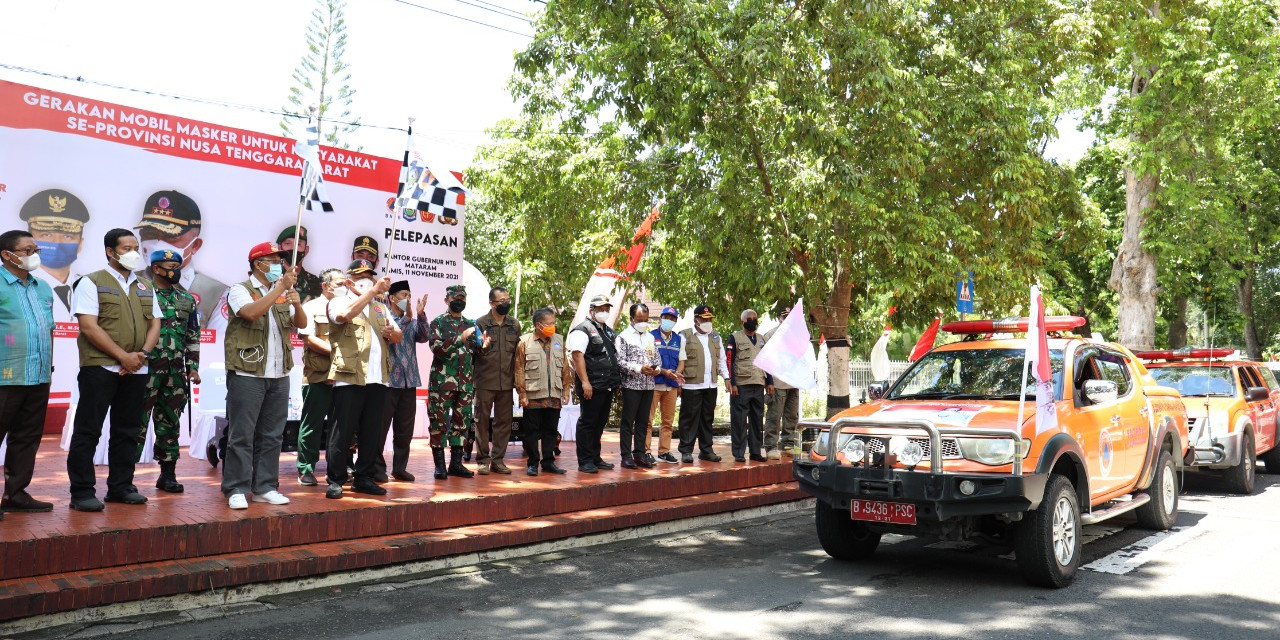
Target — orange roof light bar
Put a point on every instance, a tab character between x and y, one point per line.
1012	325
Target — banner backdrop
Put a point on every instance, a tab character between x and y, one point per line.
114	159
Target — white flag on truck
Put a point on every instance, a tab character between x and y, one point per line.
1037	359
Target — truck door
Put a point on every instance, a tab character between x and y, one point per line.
1264	411
1096	426
1132	428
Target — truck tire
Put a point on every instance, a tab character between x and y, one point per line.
1047	542
1272	459
1162	510
1243	477
842	537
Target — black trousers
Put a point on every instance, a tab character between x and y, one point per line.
633	428
398	414
540	428
357	411
746	420
595	414
22	411
124	396
697	409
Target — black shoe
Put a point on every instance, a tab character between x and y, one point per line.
133	497
308	479
739	459
686	458
532	470
601	464
628	462
587	468
456	468
710	457
437	455
645	461
755	457
648	457
211	452
552	468
334	491
667	457
403	476
168	480
86	504
368	486
22	502
380	478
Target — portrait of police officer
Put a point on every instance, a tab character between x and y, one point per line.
56	218
309	284
365	248
171	221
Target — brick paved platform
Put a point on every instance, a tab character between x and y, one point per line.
66	560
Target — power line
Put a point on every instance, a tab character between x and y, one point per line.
507	9
504	13
457	17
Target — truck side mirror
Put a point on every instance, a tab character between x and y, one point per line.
1100	391
1257	394
876	390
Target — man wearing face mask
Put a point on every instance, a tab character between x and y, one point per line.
264	311
542	379
495	379
454	342
702	365
401	408
361	332
317	388
174	363
119	326
56	219
748	385
595	360
26	319
782	412
666	386
309	284
171	221
639	361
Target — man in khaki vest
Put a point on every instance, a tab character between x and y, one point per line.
361	333
317	388
119	325
264	310
748	386
543	379
782	412
702	366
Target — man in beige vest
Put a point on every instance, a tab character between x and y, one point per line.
702	366
748	386
263	311
782	412
361	333
317	388
119	325
543	378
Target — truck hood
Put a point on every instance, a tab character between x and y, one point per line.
977	414
1195	406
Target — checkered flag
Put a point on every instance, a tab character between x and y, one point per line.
423	190
312	196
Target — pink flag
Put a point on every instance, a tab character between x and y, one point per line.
789	353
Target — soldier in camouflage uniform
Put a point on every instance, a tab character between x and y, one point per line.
452	384
174	362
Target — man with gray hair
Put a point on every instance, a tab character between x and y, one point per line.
317	390
748	385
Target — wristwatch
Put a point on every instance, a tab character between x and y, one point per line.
145	352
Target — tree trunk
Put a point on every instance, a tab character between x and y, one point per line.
1244	292
833	322
1178	323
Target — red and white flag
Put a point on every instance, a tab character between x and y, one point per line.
614	283
926	341
1038	360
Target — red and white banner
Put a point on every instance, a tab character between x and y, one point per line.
113	158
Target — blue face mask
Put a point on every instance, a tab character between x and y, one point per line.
668	325
57	255
275	272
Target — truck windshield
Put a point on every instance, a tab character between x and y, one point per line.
990	374
1196	381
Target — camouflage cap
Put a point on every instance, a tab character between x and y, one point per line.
455	290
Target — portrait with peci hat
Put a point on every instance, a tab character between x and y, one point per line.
56	218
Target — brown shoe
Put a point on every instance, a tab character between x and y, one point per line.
483	469
498	467
23	503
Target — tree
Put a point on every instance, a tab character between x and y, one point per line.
321	77
843	152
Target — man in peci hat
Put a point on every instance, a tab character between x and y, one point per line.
401	410
264	311
55	219
592	346
308	283
365	248
174	363
171	221
702	365
451	391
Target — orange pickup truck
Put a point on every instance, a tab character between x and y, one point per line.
941	453
1231	406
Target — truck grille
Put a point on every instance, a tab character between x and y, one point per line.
950	449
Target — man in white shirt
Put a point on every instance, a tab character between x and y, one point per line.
703	364
361	332
264	311
119	325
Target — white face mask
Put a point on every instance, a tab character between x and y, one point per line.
130	261
640	327
704	327
363	286
601	316
341	292
28	263
151	246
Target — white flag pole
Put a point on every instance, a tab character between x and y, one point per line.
395	210
1026	360
302	200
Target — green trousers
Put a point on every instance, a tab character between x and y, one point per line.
317	405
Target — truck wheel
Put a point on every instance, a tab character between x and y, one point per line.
841	537
1047	541
1242	477
1272	459
1162	510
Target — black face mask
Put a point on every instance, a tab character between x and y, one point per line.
750	325
503	309
170	275
457	306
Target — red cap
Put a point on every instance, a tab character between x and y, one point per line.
264	249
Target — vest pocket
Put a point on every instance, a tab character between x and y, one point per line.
109	305
534	379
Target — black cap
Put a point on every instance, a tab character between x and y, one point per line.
398	286
365	243
361	266
169	213
55	210
703	311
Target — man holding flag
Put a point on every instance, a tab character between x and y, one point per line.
788	354
782	410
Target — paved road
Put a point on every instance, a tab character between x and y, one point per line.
1215	576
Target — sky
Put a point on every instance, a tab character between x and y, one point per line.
406	61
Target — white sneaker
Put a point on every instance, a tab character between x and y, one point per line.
237	501
774	455
272	497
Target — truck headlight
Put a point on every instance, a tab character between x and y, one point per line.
992	451
909	453
855	450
